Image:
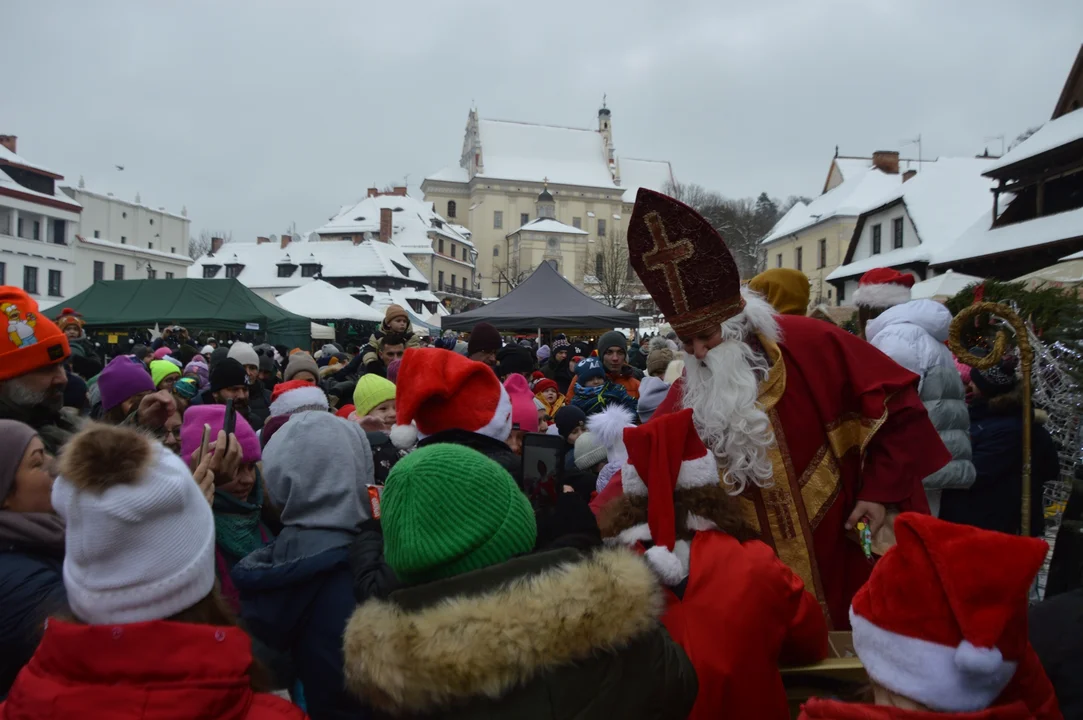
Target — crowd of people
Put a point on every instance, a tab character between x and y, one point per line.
220	529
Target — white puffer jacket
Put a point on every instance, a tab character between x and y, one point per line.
913	334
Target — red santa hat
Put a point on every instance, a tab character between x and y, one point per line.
67	317
883	288
297	396
664	456
440	391
934	624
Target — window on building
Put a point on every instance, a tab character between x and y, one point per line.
310	270
169	276
452	281
54	283
524	218
496	251
173	250
799	257
124	215
210	271
97	234
233	271
440	246
498	219
451	208
897	233
875	239
3	273
577	222
453	250
118	272
821	261
601	228
152	274
99	270
829	294
37	230
150	246
842	293
778	260
123	240
30	279
599	266
464	282
19	228
152	221
440	281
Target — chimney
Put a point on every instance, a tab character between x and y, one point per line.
216	244
909	174
886	161
261	240
284	241
374	192
399	190
385	225
9	141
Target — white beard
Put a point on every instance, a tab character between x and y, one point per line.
722	392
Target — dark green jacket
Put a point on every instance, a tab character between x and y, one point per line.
554	635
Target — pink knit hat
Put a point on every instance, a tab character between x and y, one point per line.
215	416
524	412
162	352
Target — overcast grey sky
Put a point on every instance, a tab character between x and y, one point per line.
256	114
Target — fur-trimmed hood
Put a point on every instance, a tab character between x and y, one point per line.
695	509
484	633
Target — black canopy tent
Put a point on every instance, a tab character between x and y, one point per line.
547	301
208	304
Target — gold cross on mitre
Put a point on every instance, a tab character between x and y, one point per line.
666	256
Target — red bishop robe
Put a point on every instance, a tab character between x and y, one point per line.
849	426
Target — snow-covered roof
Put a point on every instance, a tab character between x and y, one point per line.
794	218
6	156
981	240
322	300
129	203
411	222
949	284
1065	129
651	174
549	225
451	174
525	151
339	258
7	183
942	201
134	249
849	199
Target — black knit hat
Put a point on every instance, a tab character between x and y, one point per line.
226	374
568	418
997	380
514	359
484	337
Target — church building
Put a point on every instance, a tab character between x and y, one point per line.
539	193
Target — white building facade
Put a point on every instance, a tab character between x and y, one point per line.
37	228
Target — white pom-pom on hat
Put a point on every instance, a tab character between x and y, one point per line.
404	437
978	661
666	564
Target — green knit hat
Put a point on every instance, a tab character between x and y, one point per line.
372	390
447	510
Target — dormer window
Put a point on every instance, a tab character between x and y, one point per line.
401	268
310	268
233	270
286	267
210	271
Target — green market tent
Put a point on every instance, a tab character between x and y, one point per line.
225	305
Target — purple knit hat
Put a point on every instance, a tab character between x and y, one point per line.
198	366
215	416
122	378
393	370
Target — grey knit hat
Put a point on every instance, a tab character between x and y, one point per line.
589	451
299	362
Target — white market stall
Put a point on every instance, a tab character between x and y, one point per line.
943	286
320	300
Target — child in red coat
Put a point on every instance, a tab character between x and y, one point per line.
738	612
941	627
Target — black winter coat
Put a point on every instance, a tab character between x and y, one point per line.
1056	632
994	501
495	450
556	635
31	589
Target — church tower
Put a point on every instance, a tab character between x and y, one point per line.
605	127
546	204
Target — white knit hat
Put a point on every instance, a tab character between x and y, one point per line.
243	353
139	542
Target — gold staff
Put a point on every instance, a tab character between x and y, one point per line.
1000	346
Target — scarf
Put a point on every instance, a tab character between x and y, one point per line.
237	528
32	531
588	392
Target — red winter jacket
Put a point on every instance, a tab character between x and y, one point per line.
817	709
142	671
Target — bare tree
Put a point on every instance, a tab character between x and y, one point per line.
743	223
200	246
510	273
614	280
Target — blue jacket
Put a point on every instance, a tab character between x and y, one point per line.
994	501
31	589
297	596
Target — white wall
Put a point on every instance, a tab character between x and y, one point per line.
885	220
138	225
134	263
18	253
